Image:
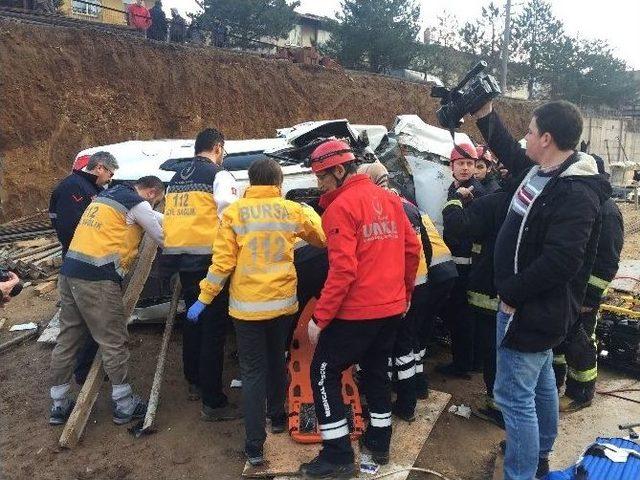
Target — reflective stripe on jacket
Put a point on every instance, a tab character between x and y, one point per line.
441	267
190	214
254	245
104	246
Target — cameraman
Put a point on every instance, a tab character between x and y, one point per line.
7	285
544	252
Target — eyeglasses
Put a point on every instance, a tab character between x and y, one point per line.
224	152
108	170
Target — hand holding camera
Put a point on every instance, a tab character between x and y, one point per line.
10	285
472	95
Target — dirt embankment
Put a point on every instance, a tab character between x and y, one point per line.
66	89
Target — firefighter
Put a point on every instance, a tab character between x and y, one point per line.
406	350
197	196
103	248
254	245
373	255
481	223
465	188
486	171
576	358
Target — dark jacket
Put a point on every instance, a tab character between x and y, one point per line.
607	259
490	184
556	246
68	202
461	245
481	222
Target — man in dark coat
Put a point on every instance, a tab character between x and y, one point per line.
544	252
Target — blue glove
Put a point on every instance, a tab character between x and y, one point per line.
195	310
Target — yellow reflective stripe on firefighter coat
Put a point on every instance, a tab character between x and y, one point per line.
255	245
191	213
103	240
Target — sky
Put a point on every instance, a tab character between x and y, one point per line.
617	21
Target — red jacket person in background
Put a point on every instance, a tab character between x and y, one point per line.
138	16
373	259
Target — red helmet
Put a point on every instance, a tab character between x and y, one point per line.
80	162
485	154
468	148
329	154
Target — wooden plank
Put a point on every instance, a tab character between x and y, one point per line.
283	456
154	396
89	393
18	339
44	288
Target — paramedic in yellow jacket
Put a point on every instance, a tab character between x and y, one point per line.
197	195
254	245
103	249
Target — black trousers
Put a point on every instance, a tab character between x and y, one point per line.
485	344
407	352
342	344
580	379
203	342
460	322
84	359
261	348
437	296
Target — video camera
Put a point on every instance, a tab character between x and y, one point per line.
476	89
5	277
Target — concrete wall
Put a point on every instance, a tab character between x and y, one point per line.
612	138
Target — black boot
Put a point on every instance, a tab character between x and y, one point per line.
319	468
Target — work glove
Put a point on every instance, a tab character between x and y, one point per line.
195	310
314	331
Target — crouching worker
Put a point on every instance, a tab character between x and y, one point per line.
373	259
254	245
103	248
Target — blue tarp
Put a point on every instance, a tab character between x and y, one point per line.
599	468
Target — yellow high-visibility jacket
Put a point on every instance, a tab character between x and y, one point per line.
441	267
254	245
197	194
104	246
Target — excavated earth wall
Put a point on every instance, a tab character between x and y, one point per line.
65	89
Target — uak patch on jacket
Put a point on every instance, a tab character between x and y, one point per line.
382	227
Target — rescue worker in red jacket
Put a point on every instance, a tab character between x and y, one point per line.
373	260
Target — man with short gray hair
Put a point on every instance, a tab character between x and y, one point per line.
74	194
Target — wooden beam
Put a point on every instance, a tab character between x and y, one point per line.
19	338
154	396
89	393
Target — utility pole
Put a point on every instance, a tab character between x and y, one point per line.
506	40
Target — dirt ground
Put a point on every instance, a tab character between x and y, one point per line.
184	447
66	89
